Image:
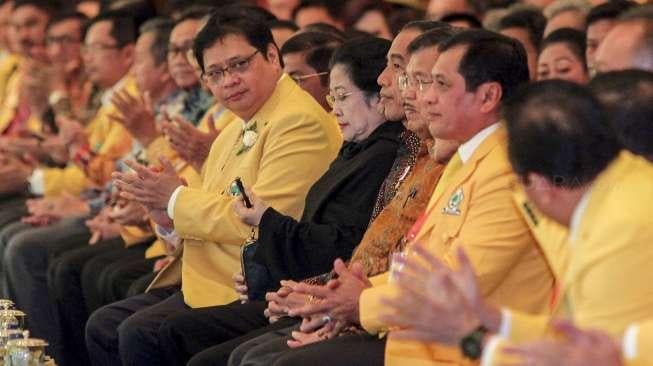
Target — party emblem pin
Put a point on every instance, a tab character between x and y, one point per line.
453	206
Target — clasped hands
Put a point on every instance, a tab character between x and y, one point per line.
150	187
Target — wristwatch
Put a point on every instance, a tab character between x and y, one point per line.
471	345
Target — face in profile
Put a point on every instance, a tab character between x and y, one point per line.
181	40
413	84
64	44
357	114
105	62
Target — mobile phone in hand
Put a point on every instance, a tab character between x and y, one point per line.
239	185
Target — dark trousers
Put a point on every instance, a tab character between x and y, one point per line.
126	332
189	332
75	275
25	262
116	279
272	349
12	208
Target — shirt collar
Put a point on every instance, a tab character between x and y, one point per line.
108	94
577	215
466	149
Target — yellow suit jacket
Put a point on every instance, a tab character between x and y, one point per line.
510	269
8	67
161	147
12	76
297	140
108	139
644	341
602	286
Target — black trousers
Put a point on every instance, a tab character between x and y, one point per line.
126	332
76	275
220	328
272	349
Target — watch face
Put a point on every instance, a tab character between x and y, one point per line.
471	347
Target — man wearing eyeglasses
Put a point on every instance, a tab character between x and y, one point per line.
306	59
283	142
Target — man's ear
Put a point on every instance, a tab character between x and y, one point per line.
273	55
543	187
128	54
489	96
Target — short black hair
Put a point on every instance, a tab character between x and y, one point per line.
432	38
608	11
532	20
161	27
364	59
574	39
335	8
317	47
324	28
48	6
193	13
69	15
489	57
401	15
425	25
223	24
283	24
558	129
627	96
123	27
471	19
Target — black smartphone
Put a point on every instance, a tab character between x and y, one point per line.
239	184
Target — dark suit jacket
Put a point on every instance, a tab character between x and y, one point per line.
337	211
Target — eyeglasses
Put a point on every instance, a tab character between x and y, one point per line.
300	78
98	47
404	81
64	40
176	50
339	97
215	77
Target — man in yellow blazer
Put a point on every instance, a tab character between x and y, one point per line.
472	207
597	194
283	142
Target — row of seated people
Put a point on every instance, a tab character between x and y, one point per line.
420	156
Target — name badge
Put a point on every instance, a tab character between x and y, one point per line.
453	206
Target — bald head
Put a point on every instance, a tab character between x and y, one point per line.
627	46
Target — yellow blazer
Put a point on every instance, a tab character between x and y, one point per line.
108	139
161	147
297	140
8	67
644	345
11	97
510	269
603	286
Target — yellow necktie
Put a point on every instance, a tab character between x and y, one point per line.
453	166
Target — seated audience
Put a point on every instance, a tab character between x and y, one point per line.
290	142
566	14
526	26
600	20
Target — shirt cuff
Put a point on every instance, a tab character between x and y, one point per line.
489	350
169	236
629	345
37	182
171	203
506	323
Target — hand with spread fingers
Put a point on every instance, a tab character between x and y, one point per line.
102	227
44	211
252	215
129	213
136	114
150	187
435	303
189	142
339	299
576	347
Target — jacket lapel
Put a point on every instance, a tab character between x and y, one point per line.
459	178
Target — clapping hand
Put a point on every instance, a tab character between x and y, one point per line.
136	114
189	142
